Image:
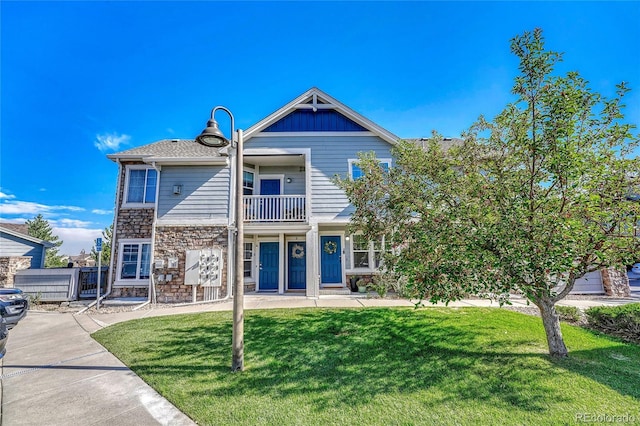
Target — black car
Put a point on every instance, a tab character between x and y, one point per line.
13	305
4	334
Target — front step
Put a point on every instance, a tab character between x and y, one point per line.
337	291
124	301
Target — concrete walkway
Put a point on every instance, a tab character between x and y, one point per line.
54	373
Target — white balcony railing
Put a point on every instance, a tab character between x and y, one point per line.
275	208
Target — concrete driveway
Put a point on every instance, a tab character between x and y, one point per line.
55	374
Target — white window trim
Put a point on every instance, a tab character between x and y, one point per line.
254	173
252	277
371	252
125	194
351	162
135	282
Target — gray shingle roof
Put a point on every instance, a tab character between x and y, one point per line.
446	143
20	228
171	148
22	231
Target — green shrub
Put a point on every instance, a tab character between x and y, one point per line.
622	321
34	299
568	313
380	284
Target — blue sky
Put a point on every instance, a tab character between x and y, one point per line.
80	80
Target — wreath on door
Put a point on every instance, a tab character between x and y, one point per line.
330	247
297	251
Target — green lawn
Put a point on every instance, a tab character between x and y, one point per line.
379	367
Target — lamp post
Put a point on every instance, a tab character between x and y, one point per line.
212	136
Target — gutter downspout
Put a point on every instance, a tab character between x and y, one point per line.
231	229
152	285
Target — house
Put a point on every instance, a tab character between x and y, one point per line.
174	219
18	251
173	229
82	260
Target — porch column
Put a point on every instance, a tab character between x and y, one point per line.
313	262
283	267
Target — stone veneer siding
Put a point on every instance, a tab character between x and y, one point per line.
9	265
615	283
170	241
131	224
173	242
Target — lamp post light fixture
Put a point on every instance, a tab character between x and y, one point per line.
212	136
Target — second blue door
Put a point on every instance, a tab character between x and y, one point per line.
330	260
269	266
270	205
297	258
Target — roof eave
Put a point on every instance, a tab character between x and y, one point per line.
46	244
116	157
187	160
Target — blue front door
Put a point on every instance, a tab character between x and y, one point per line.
297	259
269	266
330	260
269	186
270	206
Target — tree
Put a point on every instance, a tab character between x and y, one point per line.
107	233
40	228
526	203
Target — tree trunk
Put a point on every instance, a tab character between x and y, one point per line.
551	322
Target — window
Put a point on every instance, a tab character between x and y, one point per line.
135	261
356	172
360	252
248	260
366	254
141	186
247	182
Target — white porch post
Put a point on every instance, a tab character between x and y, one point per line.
313	262
283	265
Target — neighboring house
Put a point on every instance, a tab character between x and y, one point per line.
16	241
19	250
173	220
82	260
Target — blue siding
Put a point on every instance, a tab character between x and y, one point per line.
205	192
11	245
306	120
297	184
329	157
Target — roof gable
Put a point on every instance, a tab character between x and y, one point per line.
306	120
315	111
15	231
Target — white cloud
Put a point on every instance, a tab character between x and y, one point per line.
28	207
70	223
100	211
76	239
110	141
6	196
77	234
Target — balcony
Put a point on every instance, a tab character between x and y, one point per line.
275	208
